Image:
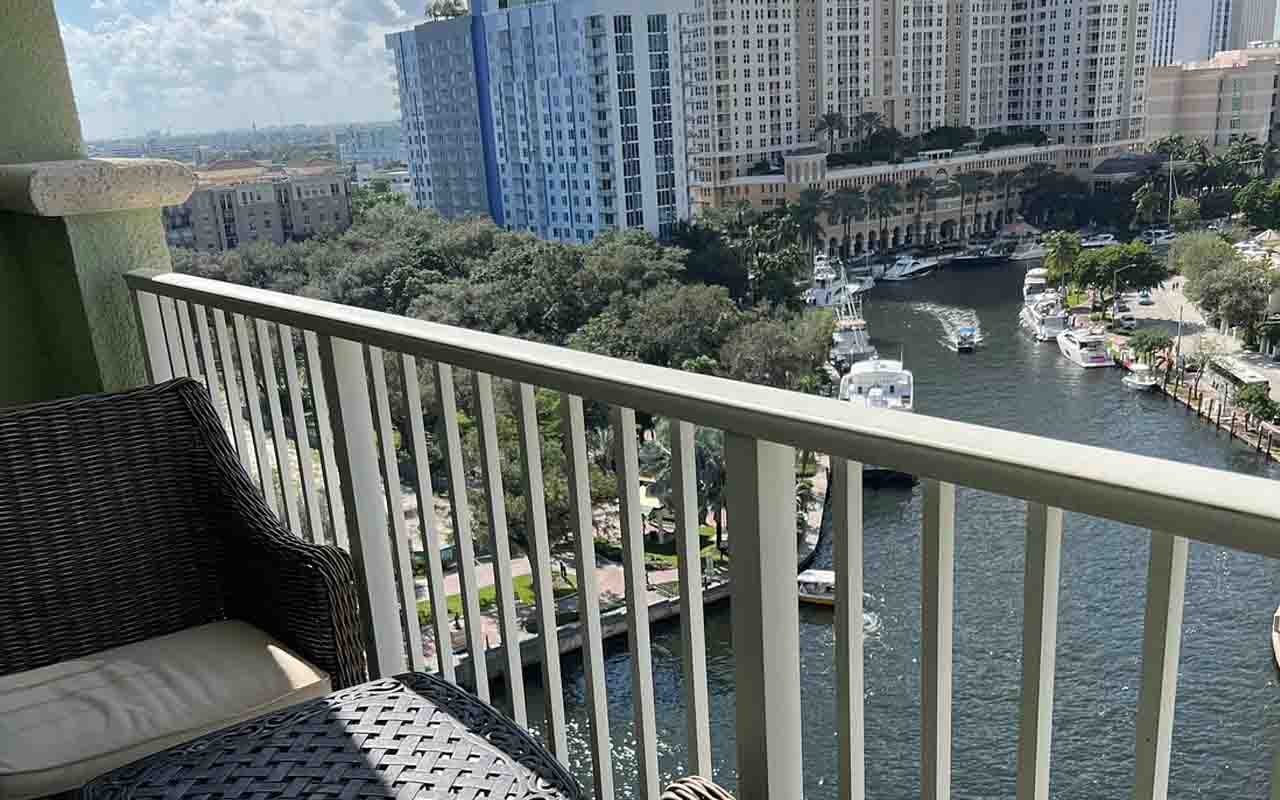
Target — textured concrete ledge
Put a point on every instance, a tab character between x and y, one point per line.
93	185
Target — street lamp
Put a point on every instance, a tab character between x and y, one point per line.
1115	294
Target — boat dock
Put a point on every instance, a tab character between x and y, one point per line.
1217	410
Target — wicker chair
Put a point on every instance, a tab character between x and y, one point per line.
126	517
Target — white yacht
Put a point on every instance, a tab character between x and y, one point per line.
817	586
907	268
1044	316
879	383
1028	251
1099	240
1042	311
1141	378
1086	348
1036	282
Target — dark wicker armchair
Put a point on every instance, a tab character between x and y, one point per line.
127	516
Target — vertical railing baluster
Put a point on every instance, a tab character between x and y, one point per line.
462	530
173	338
428	527
266	478
499	542
540	562
402	564
1039	643
302	439
761	492
211	379
188	341
343	370
235	411
146	307
846	529
627	466
284	462
328	462
937	547
693	643
573	430
1161	640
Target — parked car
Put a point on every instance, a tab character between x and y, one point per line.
1127	322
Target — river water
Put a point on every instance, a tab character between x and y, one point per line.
1227	719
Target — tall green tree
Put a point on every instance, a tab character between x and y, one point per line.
709	471
1062	249
1259	201
1005	182
968	184
917	192
831	124
865	125
1122	266
804	213
848	205
1195	255
882	202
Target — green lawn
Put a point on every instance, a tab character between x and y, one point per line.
667	552
522	584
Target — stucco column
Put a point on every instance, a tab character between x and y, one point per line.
69	226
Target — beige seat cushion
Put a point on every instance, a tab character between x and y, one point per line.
64	724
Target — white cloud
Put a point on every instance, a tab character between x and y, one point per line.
210	64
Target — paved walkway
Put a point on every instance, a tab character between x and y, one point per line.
1164	312
610	578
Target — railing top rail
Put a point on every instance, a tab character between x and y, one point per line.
1210	505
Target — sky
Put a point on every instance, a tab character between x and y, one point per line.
202	65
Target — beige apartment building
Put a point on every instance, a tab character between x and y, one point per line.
922	219
762	74
1231	94
245	201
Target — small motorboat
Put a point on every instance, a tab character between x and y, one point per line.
1141	378
817	586
1099	240
966	340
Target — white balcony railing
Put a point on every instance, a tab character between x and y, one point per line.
207	329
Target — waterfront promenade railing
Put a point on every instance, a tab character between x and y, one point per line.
330	360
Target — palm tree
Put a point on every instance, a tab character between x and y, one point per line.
803	214
968	183
1062	248
866	124
846	207
882	202
709	471
832	123
940	190
918	188
1005	181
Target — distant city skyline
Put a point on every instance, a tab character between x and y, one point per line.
190	66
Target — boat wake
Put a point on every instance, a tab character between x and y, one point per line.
951	319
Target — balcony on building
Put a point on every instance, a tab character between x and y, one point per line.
324	455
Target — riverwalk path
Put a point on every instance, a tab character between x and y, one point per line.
662	593
1169	299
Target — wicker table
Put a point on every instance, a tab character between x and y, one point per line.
412	736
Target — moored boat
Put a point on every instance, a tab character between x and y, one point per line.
880	383
1086	348
817	586
907	268
1140	378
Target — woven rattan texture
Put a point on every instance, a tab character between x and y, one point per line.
413	737
128	516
